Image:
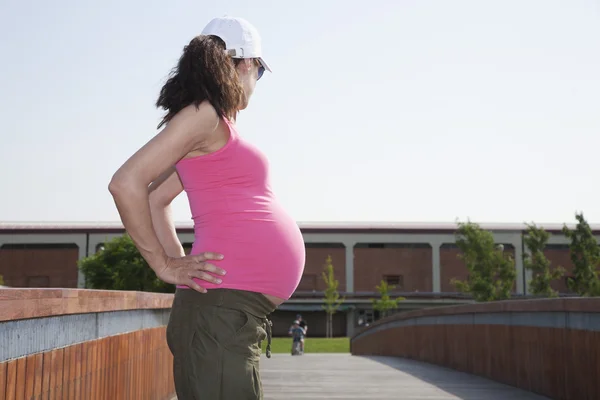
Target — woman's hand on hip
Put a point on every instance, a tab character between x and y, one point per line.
181	270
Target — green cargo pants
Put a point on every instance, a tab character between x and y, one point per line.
215	339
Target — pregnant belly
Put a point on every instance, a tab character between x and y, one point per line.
265	256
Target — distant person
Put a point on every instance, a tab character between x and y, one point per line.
302	323
239	225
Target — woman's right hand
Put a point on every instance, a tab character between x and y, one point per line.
181	270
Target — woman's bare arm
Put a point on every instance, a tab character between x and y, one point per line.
129	185
162	192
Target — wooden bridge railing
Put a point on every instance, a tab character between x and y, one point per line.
547	346
84	344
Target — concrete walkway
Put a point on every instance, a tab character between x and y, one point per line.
342	376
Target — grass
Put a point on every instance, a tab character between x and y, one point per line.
311	345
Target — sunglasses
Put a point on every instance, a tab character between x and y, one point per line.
261	69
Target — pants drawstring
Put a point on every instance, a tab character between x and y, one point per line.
268	325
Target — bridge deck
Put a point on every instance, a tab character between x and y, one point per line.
337	376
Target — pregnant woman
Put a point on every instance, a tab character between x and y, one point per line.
248	253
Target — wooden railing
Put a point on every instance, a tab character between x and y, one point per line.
551	347
84	344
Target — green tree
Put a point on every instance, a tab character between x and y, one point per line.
585	256
536	261
332	295
120	266
385	302
1	280
492	273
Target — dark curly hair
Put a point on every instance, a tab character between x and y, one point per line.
204	72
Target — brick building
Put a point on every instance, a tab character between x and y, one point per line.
420	259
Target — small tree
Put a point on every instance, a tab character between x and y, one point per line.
332	296
1	280
120	266
385	302
538	264
492	273
585	256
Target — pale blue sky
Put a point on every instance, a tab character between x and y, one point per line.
376	110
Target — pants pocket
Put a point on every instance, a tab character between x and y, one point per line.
247	340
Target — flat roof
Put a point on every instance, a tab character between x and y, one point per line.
322	226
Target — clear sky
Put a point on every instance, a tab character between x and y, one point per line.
377	110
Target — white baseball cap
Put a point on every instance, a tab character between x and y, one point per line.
240	36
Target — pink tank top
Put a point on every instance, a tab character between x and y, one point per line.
236	214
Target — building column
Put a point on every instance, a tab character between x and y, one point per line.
350	322
436	272
81	243
519	264
349	266
528	273
81	275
